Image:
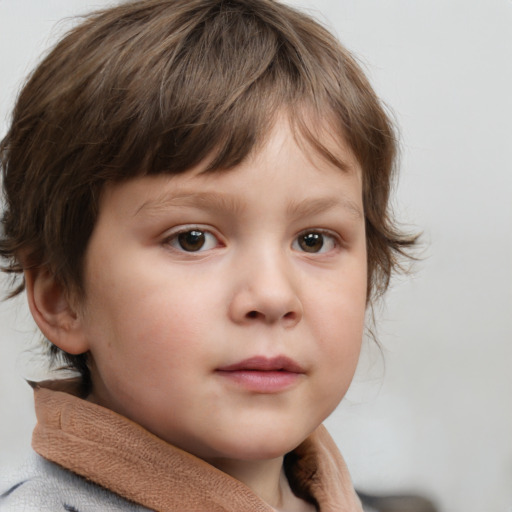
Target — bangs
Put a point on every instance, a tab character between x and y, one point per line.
217	93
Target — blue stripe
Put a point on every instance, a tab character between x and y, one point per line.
12	489
70	508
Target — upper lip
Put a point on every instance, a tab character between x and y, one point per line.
265	364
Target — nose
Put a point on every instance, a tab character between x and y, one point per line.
267	293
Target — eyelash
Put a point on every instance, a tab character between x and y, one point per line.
206	236
334	240
173	240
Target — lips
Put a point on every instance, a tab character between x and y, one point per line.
260	374
263	364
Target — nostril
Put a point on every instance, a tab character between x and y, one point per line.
290	317
253	315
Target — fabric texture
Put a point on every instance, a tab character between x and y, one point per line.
122	466
42	486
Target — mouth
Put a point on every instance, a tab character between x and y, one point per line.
265	364
260	374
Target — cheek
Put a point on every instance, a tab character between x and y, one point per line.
150	322
340	346
340	322
340	342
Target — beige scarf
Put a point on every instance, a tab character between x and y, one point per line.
121	456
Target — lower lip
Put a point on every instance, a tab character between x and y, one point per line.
262	381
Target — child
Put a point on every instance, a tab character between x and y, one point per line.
196	198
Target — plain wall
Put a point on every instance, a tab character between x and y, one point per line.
438	417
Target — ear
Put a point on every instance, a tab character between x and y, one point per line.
50	306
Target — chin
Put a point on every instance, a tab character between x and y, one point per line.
263	446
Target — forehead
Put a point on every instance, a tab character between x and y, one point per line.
308	158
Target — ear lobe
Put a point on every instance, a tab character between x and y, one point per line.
50	306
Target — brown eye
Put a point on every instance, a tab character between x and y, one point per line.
314	242
191	241
311	242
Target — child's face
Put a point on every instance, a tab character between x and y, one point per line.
224	311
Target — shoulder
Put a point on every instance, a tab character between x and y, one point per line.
42	486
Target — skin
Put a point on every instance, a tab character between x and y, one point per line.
159	320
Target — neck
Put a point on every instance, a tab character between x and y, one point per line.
267	479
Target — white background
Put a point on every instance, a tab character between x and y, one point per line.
438	417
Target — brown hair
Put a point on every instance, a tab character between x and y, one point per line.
155	86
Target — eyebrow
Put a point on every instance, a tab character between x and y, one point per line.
309	207
208	200
225	202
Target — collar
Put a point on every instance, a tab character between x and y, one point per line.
120	455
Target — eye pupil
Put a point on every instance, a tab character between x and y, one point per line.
311	242
191	240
